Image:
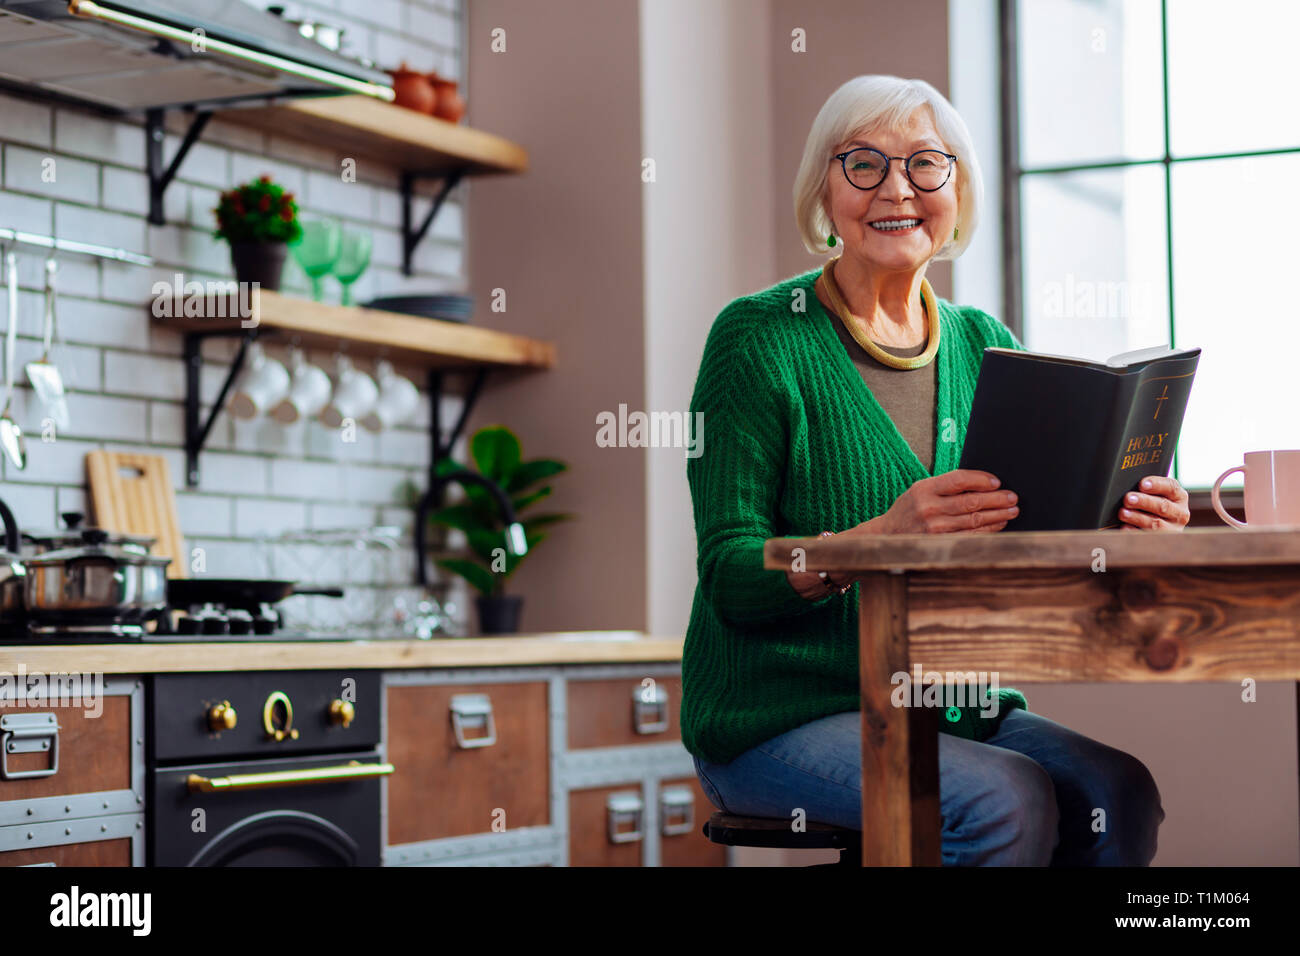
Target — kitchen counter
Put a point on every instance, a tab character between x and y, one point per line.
152	657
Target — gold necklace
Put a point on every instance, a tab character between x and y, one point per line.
871	348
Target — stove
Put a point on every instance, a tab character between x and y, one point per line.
264	768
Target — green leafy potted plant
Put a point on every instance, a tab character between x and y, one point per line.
497	453
259	219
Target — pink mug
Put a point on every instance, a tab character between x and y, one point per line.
1272	489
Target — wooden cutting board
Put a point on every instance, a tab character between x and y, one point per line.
133	494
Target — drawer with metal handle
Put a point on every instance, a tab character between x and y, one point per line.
54	751
482	748
619	711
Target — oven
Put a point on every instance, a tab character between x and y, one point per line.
264	768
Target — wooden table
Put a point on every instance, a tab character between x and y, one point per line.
1203	604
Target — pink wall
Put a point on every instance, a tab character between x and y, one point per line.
565	242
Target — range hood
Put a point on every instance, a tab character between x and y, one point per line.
148	54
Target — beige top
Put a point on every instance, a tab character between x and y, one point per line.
906	394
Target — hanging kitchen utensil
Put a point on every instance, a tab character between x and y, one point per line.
43	373
11	436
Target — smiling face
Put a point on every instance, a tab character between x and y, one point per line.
853	210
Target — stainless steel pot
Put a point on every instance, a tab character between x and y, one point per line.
95	582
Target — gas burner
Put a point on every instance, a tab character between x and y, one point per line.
212	620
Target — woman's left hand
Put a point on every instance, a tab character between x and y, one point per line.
1159	504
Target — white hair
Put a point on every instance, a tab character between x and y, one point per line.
864	103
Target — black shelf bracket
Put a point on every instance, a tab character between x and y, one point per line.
440	447
196	433
155	136
411	236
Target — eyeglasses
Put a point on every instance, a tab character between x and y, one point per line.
866	168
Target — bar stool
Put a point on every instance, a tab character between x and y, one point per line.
774	832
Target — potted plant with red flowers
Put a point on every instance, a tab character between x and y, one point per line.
259	219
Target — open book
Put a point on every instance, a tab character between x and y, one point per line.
1070	436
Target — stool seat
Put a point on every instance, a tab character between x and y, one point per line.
774	832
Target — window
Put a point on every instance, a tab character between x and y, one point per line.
1151	163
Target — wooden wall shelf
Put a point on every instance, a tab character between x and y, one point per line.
366	128
420	147
436	344
433	343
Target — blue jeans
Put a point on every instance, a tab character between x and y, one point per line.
1034	794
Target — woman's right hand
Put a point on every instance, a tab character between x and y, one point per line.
965	500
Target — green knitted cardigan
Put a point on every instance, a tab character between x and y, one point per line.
793	443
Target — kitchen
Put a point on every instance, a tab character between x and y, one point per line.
330	495
253	510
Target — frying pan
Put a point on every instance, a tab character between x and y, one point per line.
237	592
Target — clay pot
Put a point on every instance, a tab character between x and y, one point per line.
413	90
451	105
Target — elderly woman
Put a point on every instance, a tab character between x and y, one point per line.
836	403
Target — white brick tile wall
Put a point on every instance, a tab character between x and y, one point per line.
104	417
48	463
48	174
27	121
248	166
205	515
234	474
124	371
315	480
435	27
129	373
255	518
78	365
30	500
205	163
103	140
28	214
95	225
382	13
97	322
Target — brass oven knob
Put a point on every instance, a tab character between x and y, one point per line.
342	712
268	717
221	717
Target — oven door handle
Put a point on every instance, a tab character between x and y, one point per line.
352	770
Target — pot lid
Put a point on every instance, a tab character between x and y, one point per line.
95	544
73	535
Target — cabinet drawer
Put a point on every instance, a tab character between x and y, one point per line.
620	711
94	752
448	785
689	847
95	853
605	826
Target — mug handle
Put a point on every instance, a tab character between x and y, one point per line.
1218	505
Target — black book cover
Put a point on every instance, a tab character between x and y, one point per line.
1071	437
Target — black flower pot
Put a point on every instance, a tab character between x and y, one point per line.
499	614
259	261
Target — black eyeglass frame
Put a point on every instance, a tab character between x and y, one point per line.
907	160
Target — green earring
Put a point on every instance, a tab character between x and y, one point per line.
954	233
830	240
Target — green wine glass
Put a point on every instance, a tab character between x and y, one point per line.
353	260
316	251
